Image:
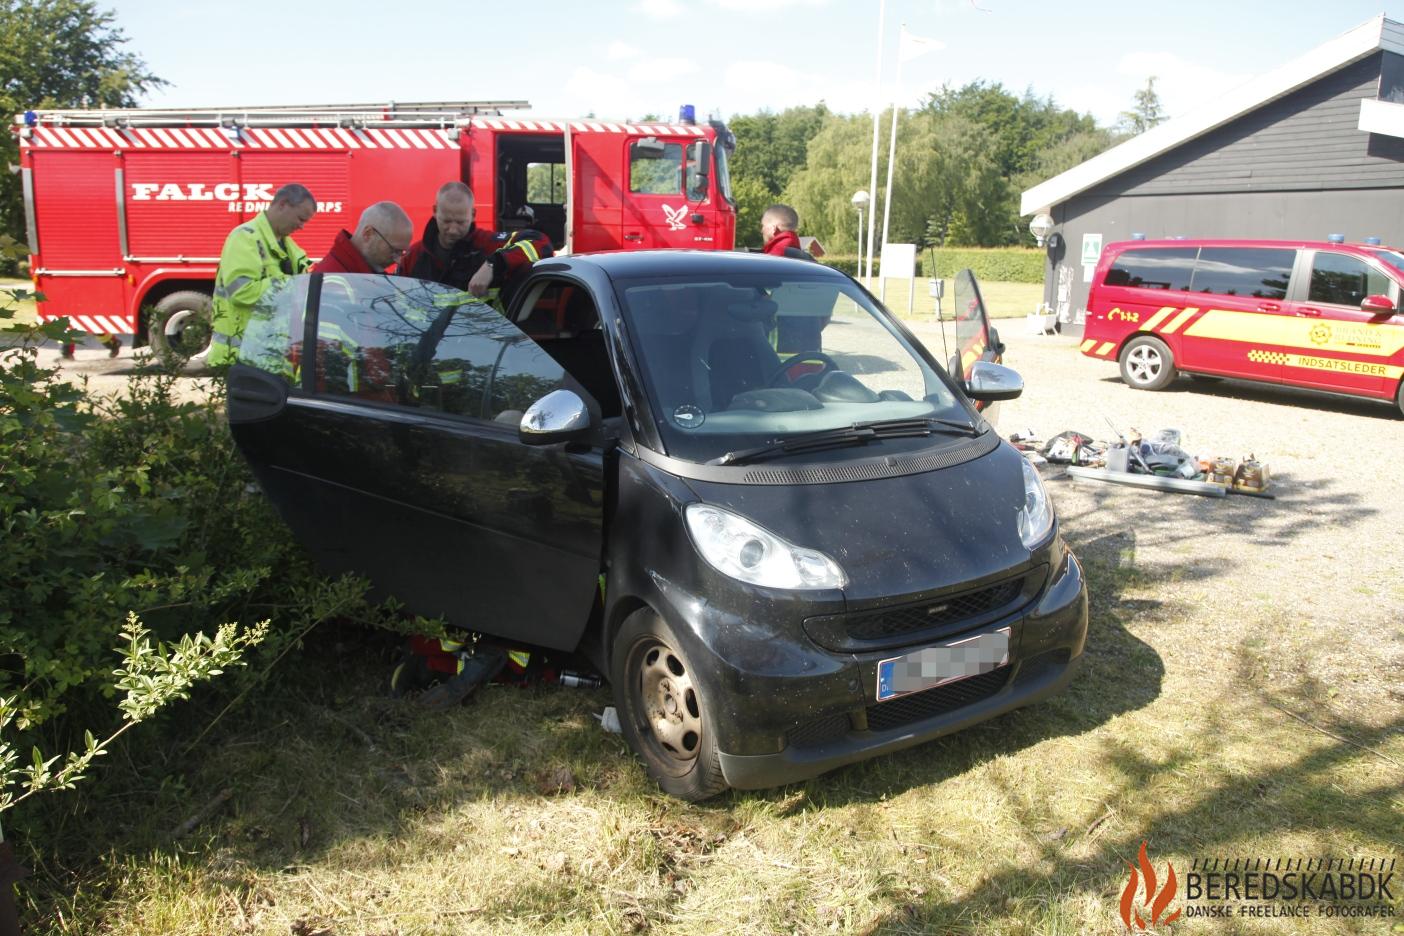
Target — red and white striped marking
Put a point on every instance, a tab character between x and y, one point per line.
585	126
96	324
250	138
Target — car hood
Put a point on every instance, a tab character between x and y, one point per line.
898	536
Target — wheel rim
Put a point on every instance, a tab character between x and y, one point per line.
668	704
1144	364
185	331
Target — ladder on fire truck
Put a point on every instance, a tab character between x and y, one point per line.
428	114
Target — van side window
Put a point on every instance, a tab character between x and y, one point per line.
1153	268
391	339
1259	272
1337	279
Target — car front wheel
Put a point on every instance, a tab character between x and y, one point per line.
663	708
1147	364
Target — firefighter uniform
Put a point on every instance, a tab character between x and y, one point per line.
509	254
253	258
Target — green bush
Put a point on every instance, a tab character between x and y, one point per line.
989	264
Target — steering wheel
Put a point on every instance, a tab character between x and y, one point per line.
800	358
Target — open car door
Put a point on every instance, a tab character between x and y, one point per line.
975	340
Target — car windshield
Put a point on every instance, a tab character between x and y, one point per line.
1392	257
759	359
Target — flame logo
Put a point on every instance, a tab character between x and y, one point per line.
1157	901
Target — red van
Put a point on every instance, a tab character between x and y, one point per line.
1319	315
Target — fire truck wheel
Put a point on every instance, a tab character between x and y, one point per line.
180	326
1147	364
663	709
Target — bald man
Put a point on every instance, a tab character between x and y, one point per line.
457	253
382	237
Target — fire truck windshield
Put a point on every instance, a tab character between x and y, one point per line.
723	175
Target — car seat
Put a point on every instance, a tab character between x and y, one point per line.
731	350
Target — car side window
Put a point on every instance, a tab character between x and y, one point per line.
1256	272
1153	268
272	339
1337	279
524	375
655	168
391	339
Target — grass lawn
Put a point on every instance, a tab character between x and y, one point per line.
25	307
1002	300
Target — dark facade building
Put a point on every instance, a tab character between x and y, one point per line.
1312	149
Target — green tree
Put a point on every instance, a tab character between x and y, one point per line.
770	149
1145	113
57	54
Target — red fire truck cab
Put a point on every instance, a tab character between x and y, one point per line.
128	210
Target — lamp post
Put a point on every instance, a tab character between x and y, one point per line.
860	201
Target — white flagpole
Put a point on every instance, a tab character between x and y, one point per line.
877	117
891	153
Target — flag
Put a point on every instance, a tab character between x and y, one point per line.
912	46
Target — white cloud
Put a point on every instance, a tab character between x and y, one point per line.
764	6
662	69
659	9
761	84
1182	85
619	51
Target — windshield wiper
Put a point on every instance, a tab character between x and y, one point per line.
856	434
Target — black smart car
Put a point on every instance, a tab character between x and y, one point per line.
734	482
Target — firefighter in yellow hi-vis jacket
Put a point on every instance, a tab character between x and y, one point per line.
256	254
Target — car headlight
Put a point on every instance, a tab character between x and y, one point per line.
744	550
1036	514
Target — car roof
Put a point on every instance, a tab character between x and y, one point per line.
1232	242
686	264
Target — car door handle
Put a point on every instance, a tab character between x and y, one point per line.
633	237
1269	307
1307	312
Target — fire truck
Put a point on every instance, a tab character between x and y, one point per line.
128	209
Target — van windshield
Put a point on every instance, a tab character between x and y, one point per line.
758	359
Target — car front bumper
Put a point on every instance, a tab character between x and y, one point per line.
834	718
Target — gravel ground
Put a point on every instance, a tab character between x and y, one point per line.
1310	582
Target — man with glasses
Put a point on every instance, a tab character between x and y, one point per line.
382	236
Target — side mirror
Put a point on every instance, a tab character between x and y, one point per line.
990	382
1377	305
559	416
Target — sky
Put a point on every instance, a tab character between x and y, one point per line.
626	59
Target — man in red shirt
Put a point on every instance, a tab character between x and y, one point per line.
382	237
455	252
779	225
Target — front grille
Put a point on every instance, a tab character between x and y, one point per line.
922	705
820	732
894	622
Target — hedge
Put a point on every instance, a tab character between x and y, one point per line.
990	264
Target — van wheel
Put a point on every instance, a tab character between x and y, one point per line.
1399	398
1147	364
663	708
180	327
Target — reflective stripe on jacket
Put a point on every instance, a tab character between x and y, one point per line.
253	257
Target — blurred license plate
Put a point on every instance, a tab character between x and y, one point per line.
936	666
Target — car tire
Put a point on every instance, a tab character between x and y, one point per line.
1399	398
1147	364
663	708
180	327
